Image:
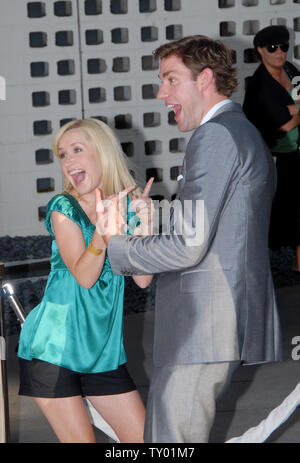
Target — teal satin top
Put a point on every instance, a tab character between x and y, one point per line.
74	327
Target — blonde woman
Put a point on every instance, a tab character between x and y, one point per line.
71	344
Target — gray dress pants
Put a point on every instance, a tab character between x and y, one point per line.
181	404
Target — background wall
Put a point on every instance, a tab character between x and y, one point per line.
91	58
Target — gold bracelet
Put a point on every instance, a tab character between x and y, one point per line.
94	250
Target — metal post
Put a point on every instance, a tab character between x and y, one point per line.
9	294
4	412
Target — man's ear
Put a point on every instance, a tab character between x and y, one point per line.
205	78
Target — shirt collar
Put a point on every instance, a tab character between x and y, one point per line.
213	110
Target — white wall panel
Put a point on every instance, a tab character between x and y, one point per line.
121	70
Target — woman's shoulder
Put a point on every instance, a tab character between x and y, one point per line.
58	202
62	202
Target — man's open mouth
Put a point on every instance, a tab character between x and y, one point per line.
176	108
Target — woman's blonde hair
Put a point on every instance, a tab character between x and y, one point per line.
115	174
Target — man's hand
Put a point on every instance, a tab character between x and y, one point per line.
111	213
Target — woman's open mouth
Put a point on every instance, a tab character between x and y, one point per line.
78	176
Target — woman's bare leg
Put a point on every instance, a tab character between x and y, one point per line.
68	418
125	413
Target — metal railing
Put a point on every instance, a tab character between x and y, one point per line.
6	291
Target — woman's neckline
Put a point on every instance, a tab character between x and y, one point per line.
79	206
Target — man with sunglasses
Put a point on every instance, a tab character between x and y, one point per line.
272	105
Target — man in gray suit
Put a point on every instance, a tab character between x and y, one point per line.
215	302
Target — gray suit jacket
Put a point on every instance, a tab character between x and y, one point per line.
215	300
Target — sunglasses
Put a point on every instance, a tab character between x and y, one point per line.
283	47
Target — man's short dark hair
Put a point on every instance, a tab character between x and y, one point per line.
199	52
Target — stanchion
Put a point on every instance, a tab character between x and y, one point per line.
9	294
4	412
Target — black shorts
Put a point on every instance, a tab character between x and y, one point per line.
43	379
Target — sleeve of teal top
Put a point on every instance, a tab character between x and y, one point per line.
61	203
132	219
